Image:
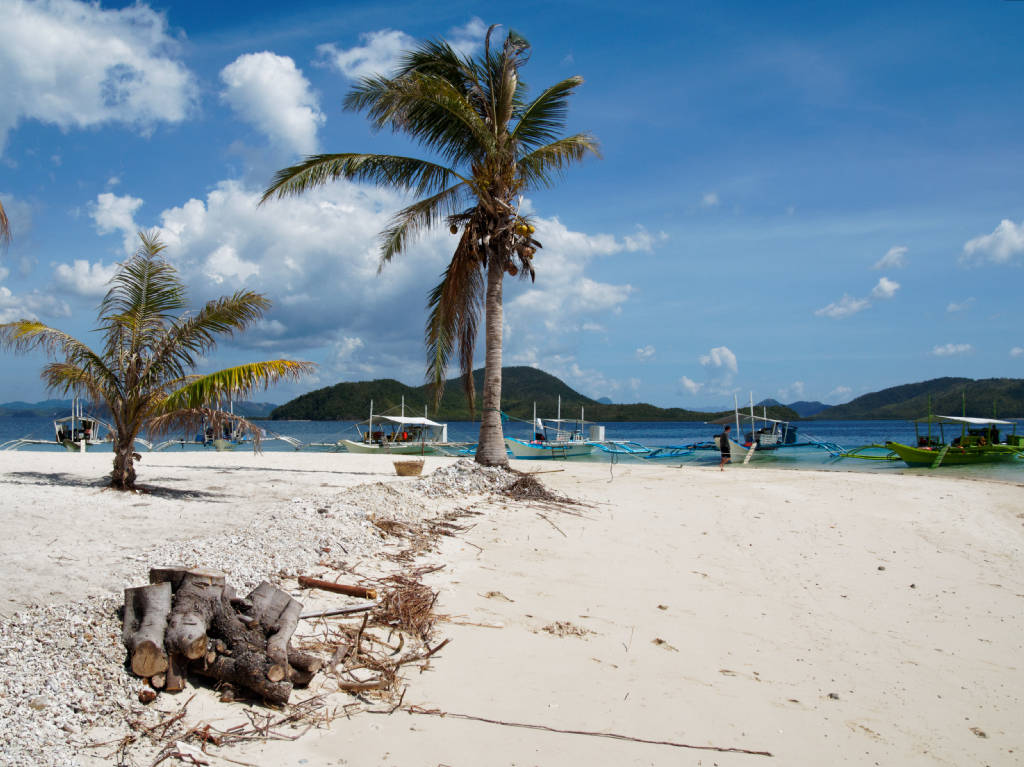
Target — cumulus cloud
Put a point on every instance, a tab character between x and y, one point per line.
30	306
895	258
643	240
959	306
690	385
720	357
949	350
794	391
839	393
83	278
885	288
77	65
1004	244
844	307
380	50
644	353
710	200
269	92
225	264
1017	351
112	213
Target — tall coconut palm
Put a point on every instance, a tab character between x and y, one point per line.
491	147
151	345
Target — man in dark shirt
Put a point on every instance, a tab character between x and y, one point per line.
723	445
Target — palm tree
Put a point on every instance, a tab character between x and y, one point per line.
151	346
492	146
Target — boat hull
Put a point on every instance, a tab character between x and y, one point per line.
955	456
546	450
407	448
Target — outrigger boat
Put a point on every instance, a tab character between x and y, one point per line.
978	443
760	435
554	438
398	435
76	433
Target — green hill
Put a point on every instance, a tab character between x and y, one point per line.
521	388
911	400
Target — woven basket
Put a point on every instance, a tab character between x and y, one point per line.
409	468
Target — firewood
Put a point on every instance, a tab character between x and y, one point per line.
232	670
146	609
278	614
192	612
157	681
277	672
177	670
305	661
249	665
338	588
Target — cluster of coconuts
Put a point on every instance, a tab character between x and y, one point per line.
524	248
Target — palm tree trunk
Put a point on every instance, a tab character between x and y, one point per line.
123	476
491	449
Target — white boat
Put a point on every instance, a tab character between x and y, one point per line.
398	435
76	433
553	438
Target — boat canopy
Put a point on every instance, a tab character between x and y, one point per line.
970	421
403	421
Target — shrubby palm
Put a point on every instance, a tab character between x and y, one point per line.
492	146
151	345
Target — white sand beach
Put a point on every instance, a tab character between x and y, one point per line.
822	617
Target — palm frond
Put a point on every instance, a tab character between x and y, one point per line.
5	227
423	214
403	173
544	165
543	119
429	108
193	420
30	335
239	381
453	315
68	378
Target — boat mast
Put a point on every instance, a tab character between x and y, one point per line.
535	419
753	431
736	408
369	431
403	406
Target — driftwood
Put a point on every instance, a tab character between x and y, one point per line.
192	611
338	588
146	609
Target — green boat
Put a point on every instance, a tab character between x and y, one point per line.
979	442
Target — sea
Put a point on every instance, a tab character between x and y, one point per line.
322	435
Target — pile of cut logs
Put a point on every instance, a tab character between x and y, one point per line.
191	620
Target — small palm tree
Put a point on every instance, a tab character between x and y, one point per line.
493	146
151	346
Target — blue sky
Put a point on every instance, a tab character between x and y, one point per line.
810	203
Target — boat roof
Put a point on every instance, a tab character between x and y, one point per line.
563	420
404	420
969	420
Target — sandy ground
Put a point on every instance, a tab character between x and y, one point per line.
828	618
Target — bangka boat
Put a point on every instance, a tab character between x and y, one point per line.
553	438
398	435
76	433
760	435
979	442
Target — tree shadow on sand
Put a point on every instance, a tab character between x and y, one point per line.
103	483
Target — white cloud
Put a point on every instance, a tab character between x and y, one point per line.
269	92
643	240
794	391
844	307
885	288
634	384
710	200
380	50
77	65
720	357
895	258
83	278
1017	351
225	263
1000	247
839	393
948	350
113	213
959	306
690	385
644	353
30	306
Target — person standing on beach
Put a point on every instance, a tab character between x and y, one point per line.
723	445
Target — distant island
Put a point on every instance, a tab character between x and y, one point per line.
1005	396
60	407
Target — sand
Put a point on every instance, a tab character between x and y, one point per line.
823	617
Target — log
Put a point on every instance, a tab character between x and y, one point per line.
146	609
175	574
278	615
177	671
234	672
338	588
300	678
305	661
192	612
249	665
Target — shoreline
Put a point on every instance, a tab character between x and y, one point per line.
776	587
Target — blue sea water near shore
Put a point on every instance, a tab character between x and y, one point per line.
848	434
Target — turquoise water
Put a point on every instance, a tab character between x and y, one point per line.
849	434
